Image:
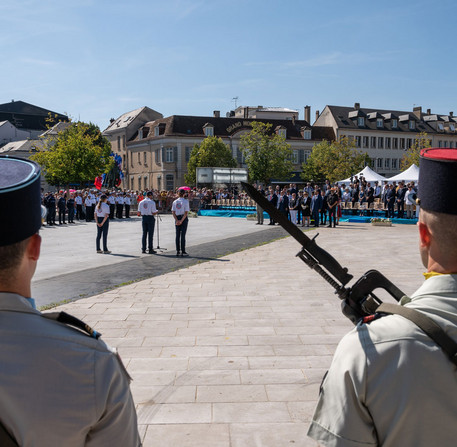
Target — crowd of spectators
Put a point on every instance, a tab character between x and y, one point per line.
300	205
324	203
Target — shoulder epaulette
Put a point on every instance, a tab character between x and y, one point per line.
70	320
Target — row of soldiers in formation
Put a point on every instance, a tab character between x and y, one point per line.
80	205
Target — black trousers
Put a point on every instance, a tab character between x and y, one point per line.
79	212
71	215
112	207
127	211
61	215
102	232
148	232
181	231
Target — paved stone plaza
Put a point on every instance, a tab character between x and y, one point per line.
231	352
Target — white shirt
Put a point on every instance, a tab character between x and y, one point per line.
112	200
88	201
120	200
180	206
147	207
78	200
103	210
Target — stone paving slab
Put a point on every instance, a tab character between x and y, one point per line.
231	352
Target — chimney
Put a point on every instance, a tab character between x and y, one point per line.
418	112
112	120
317	115
357	106
451	114
307	114
429	111
216	113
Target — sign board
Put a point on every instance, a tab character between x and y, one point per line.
222	175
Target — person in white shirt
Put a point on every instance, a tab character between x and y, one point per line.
102	220
119	205
127	202
79	206
147	209
180	209
89	208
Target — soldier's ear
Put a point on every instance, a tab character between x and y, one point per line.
425	237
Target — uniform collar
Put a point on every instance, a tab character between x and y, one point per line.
437	285
16	303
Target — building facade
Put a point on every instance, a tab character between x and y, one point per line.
156	155
385	135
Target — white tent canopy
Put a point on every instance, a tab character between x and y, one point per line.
368	174
410	175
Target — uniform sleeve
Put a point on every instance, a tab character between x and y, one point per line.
341	418
116	424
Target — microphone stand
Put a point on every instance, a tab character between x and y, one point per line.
159	219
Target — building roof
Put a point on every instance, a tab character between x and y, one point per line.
124	120
193	126
345	118
21	146
27	116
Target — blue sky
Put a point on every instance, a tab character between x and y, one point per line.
96	59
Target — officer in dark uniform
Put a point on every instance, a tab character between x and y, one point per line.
50	203
62	204
71	209
60	385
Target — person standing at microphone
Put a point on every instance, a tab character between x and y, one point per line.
147	209
180	209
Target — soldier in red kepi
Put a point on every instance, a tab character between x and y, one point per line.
393	381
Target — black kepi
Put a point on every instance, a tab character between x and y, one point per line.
20	199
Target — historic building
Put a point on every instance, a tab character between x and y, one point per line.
31	120
385	135
156	152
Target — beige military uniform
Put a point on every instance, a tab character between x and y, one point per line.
389	384
58	386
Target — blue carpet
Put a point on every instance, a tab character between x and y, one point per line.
242	213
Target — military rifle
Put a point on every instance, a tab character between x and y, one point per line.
358	300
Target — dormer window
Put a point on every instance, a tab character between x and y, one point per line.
452	127
360	121
394	123
379	123
140	134
440	126
307	135
282	132
209	130
412	125
156	131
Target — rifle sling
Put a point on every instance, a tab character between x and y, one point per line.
432	329
6	440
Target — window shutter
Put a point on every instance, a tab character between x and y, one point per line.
238	156
175	154
163	155
301	156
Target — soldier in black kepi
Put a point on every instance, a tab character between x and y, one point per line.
392	381
60	384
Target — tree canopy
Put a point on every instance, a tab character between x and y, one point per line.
211	153
334	161
266	154
412	155
78	154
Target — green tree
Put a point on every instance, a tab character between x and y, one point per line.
334	161
211	153
412	155
267	155
75	155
